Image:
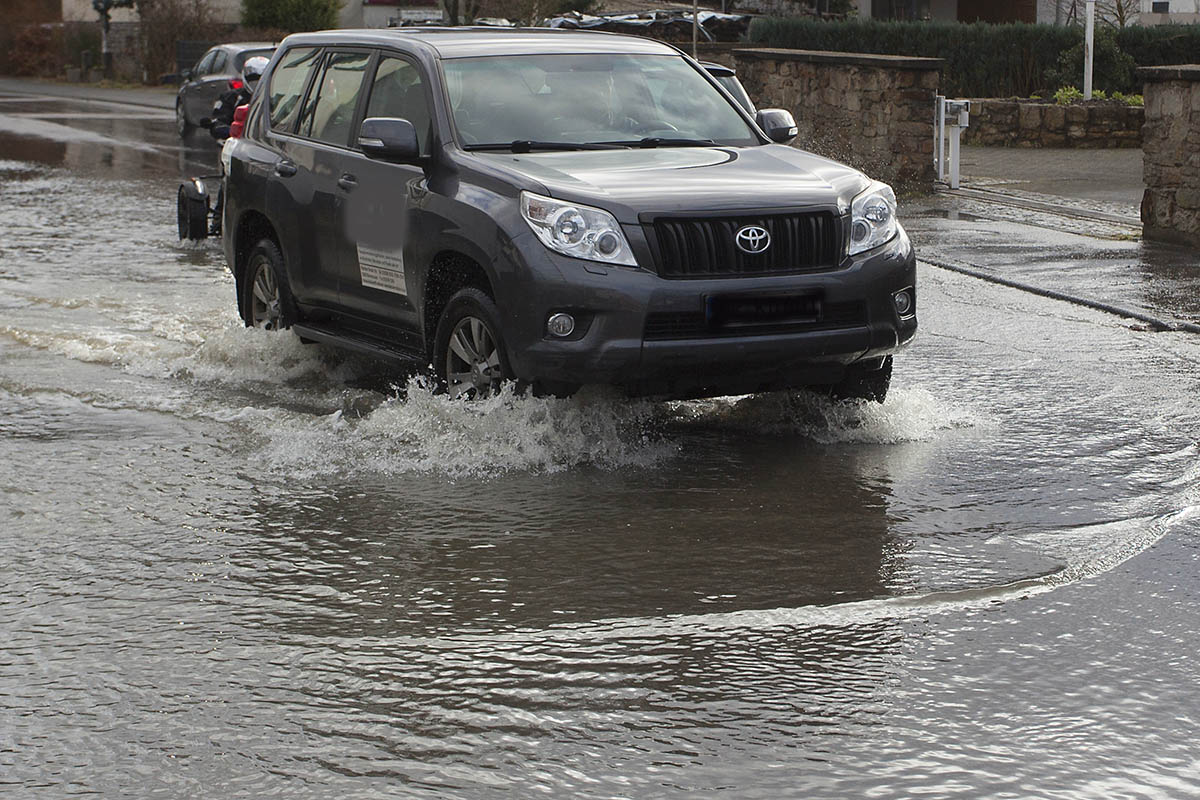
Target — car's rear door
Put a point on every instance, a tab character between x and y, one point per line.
190	93
321	153
297	196
380	211
211	85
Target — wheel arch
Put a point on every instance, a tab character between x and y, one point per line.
449	271
252	227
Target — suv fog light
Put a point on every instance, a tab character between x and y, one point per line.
904	302
561	324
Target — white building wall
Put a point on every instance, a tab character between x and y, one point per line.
1182	12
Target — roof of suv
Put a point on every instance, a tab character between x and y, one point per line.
482	41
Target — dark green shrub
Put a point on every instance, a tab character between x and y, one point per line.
982	60
290	15
1157	45
1112	68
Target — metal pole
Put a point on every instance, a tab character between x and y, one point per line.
1088	50
695	26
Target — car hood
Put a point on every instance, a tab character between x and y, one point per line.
665	180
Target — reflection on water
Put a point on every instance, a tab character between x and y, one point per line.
236	565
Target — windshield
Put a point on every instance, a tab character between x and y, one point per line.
589	99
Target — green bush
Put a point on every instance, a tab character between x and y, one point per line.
290	15
1112	69
1067	95
982	60
1156	45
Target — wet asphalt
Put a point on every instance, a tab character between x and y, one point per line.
238	566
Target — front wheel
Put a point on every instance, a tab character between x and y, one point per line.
864	382
182	126
266	297
468	352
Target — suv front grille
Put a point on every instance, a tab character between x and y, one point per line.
704	247
665	325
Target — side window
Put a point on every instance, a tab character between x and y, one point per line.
219	64
287	86
204	66
398	91
330	117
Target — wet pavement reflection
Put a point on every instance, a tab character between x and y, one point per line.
237	565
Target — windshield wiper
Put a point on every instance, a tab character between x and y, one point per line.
526	146
662	141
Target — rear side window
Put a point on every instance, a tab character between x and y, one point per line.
287	86
219	64
205	64
239	60
330	117
398	91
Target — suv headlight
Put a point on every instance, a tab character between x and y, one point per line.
873	218
576	230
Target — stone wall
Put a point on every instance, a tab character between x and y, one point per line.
1016	123
872	112
1171	144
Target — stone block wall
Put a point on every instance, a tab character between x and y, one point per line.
1016	123
1171	153
872	112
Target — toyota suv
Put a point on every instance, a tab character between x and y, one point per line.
557	208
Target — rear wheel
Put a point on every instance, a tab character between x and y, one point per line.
869	381
191	213
469	347
266	297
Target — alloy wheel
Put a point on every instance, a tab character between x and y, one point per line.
472	360
266	308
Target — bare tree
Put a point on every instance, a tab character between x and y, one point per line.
105	8
1117	13
461	12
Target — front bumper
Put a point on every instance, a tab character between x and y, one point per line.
618	341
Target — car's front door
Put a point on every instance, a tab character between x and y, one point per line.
381	212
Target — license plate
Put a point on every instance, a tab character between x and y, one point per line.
747	311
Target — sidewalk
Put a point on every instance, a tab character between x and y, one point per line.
1107	182
1065	223
161	97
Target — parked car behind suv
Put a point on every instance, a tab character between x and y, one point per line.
559	208
218	71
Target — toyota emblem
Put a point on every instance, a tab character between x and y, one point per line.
752	239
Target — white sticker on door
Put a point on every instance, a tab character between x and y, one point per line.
382	269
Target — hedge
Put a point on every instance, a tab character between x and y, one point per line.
986	60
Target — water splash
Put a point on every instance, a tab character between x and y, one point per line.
418	430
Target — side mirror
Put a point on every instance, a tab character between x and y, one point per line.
188	74
778	124
390	139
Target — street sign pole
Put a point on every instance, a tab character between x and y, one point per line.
1088	49
695	26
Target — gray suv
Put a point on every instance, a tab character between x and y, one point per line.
557	208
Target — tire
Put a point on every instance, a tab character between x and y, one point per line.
191	212
266	297
468	349
182	126
864	382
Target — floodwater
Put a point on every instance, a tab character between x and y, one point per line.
238	566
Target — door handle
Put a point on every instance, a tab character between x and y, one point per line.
347	181
285	169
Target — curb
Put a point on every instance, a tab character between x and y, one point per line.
1005	199
66	91
1157	323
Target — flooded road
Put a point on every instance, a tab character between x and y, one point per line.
238	566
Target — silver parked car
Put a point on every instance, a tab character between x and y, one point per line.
217	72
